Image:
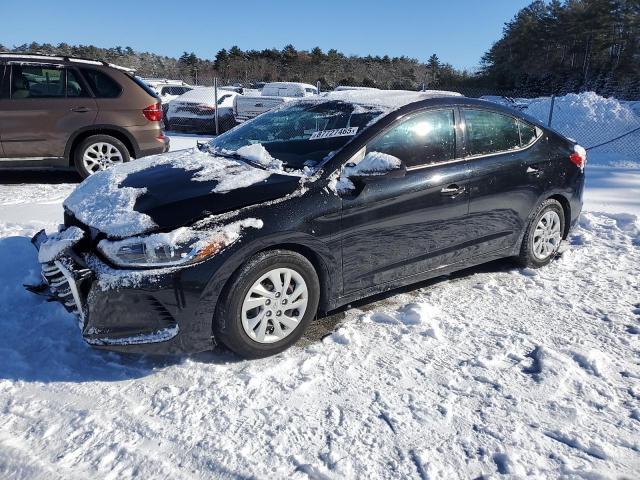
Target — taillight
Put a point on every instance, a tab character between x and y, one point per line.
205	107
578	156
153	113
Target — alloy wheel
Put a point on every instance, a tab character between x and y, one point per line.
100	156
547	236
275	305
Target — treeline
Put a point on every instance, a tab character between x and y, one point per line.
330	68
567	46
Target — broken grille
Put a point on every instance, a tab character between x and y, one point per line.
62	285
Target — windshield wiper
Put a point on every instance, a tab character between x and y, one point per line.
235	156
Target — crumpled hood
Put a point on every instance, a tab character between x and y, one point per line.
171	190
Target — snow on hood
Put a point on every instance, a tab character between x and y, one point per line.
102	202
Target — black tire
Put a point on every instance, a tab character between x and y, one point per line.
227	325
527	258
87	142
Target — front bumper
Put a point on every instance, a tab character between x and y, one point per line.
143	313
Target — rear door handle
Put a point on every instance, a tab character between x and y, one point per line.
452	190
80	109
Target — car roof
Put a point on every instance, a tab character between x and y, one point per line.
406	101
384	99
62	59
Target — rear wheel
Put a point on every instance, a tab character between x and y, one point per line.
99	152
543	235
268	304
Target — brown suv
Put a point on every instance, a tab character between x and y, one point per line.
66	112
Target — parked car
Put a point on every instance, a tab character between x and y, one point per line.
272	95
167	89
304	209
73	112
195	111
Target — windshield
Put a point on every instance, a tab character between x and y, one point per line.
301	134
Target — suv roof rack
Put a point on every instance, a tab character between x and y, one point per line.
64	58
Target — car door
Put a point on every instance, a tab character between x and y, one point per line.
47	103
398	227
510	170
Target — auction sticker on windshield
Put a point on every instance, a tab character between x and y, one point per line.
338	132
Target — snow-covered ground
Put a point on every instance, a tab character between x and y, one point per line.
495	372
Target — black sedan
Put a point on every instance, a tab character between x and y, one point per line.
304	209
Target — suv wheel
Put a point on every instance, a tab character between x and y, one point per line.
543	235
268	304
99	152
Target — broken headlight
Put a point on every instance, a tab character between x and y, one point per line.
180	247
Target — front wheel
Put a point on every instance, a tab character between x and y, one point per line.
99	152
543	235
267	304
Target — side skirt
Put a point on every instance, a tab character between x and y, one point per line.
420	277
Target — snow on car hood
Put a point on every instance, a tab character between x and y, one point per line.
172	190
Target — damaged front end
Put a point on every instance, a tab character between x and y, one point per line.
142	319
64	279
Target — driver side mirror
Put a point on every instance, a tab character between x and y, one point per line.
375	166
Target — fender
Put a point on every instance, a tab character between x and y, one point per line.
327	265
98	127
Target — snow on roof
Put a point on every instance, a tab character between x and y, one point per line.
386	99
285	84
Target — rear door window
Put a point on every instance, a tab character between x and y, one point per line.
422	139
490	132
102	85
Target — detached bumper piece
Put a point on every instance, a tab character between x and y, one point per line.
63	284
63	281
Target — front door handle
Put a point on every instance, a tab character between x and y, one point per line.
452	190
80	109
533	170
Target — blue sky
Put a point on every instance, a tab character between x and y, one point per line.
458	31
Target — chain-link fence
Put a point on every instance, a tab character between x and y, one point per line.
608	126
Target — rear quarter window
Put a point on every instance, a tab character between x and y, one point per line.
102	85
144	86
490	132
528	133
